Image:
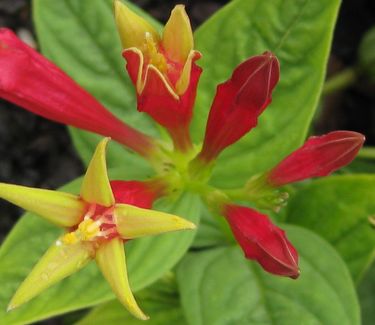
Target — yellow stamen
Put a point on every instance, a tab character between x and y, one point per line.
70	238
88	229
151	51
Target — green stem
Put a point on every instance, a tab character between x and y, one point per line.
340	81
367	153
181	139
236	193
200	169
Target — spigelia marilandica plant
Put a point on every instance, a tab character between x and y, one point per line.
163	70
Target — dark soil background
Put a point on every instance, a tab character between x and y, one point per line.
37	152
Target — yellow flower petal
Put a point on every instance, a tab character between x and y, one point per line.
110	258
96	187
183	83
177	36
62	209
133	222
60	261
132	28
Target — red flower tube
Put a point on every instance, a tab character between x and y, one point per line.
137	193
31	81
238	103
262	241
319	156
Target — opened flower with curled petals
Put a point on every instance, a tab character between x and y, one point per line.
98	222
162	68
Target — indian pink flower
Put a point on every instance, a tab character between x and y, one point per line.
319	156
162	68
30	80
238	103
98	222
262	241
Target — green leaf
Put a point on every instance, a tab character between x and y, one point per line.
366	292
81	38
160	302
360	166
113	313
209	233
337	208
148	259
244	28
220	286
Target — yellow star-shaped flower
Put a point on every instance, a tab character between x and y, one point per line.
97	228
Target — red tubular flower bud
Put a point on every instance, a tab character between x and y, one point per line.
319	156
31	81
238	103
140	194
262	241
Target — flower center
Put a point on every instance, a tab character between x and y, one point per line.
151	52
97	224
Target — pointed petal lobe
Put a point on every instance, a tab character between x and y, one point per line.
110	258
62	209
96	187
60	261
189	72
131	27
133	222
177	36
134	65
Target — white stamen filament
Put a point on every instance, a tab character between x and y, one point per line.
91	212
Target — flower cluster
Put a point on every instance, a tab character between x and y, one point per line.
165	75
